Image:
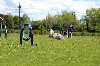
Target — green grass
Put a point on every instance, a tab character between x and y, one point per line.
78	51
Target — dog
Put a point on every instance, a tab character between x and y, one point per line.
55	35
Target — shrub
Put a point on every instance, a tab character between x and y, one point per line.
17	31
76	33
85	34
35	31
12	31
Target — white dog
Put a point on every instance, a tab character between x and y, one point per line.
55	35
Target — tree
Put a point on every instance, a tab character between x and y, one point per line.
49	21
65	19
25	19
8	19
16	22
92	19
15	19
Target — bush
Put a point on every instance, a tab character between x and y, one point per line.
76	33
35	31
12	31
85	34
95	34
56	31
17	31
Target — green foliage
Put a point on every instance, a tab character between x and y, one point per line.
76	33
89	22
36	32
25	19
92	19
16	20
39	27
12	31
78	51
16	27
26	31
8	21
49	21
62	20
12	22
85	34
18	31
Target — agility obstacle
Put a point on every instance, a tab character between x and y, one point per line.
30	34
1	21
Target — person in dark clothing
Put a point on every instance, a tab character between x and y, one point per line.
70	30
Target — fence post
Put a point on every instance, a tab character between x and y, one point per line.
0	29
32	39
20	39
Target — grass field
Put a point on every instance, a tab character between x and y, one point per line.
78	51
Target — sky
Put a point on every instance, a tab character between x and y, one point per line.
39	9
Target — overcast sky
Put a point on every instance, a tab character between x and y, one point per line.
38	9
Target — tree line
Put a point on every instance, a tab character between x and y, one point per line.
89	22
12	22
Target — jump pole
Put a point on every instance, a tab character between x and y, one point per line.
1	20
0	29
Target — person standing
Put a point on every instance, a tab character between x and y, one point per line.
70	30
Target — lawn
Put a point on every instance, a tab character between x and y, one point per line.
78	51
